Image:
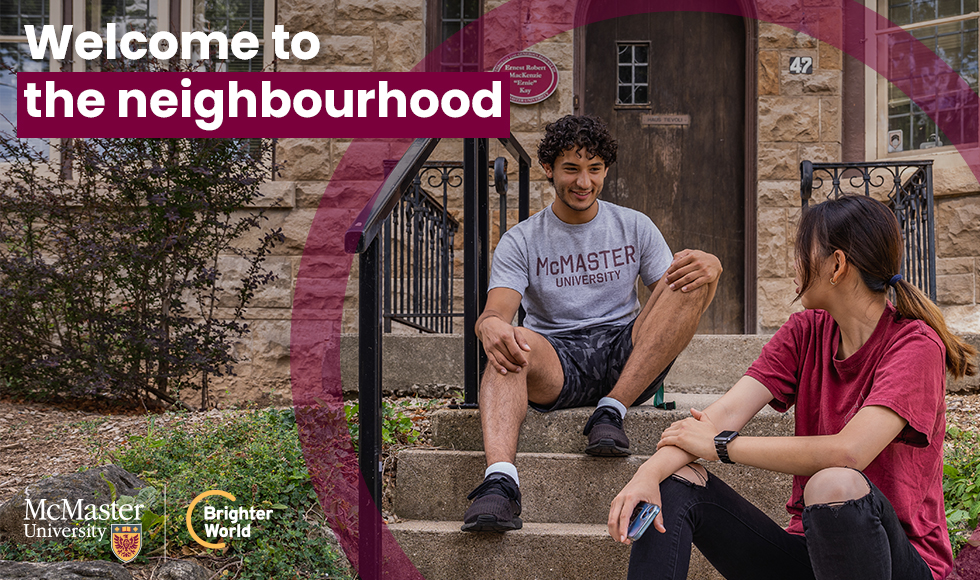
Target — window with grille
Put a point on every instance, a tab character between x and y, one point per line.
459	45
127	15
16	57
947	28
231	17
634	72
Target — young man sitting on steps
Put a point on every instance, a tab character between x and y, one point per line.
585	340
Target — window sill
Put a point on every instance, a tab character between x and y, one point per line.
952	177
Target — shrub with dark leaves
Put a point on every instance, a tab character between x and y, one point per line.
110	278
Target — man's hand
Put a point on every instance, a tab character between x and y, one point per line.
692	269
504	344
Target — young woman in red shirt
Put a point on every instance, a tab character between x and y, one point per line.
867	378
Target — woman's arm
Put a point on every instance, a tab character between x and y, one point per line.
732	411
856	445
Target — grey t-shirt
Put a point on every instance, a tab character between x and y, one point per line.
572	276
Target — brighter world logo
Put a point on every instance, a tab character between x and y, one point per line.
217	520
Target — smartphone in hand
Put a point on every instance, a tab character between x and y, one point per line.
643	515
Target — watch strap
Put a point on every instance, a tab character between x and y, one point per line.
721	445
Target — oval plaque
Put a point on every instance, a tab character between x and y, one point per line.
533	77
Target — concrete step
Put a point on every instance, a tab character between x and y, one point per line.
555	487
432	364
537	552
561	431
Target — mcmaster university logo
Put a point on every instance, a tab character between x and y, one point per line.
126	541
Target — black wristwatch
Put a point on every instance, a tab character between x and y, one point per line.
721	444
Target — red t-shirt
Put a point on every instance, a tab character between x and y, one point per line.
902	367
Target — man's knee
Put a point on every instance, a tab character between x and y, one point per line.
835	485
696	300
699	298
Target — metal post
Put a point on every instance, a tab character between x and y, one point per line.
483	241
369	413
523	207
931	221
806	183
471	281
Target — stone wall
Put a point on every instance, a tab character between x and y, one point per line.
380	35
957	242
958	260
799	119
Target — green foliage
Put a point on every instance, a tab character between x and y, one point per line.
961	488
397	428
257	458
110	264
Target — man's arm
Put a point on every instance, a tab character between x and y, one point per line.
504	343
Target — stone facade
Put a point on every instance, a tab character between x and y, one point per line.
799	118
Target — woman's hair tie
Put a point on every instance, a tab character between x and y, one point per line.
895	279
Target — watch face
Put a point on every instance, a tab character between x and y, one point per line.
726	436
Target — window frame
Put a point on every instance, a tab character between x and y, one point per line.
268	27
649	45
433	35
876	90
56	15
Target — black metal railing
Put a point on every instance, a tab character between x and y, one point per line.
418	257
364	238
418	254
905	186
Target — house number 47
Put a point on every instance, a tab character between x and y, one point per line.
801	65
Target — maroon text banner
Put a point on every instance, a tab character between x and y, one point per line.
283	104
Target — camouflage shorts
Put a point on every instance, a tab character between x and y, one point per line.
591	359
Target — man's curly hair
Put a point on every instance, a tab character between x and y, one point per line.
571	132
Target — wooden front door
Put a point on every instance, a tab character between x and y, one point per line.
671	86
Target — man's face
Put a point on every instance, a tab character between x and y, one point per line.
578	181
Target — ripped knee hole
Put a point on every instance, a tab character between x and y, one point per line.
692	474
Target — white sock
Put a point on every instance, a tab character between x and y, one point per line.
504	467
611	402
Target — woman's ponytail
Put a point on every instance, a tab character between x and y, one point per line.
910	302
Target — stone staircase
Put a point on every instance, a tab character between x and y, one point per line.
566	494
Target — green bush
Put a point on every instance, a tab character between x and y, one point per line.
257	458
961	488
110	270
397	428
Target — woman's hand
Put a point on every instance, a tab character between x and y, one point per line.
696	435
643	487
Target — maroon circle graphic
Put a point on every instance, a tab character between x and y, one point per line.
533	77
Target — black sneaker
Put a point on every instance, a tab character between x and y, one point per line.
606	435
496	505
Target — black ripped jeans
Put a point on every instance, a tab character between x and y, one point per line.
861	538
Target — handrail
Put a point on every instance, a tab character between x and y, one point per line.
371	219
515	149
363	238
